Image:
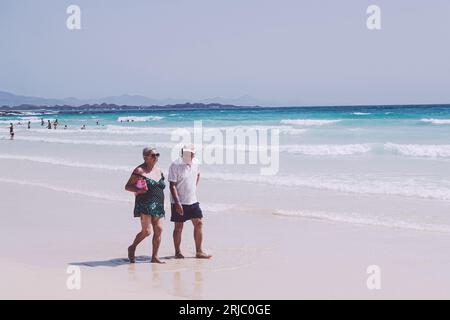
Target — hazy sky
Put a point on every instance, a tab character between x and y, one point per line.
290	52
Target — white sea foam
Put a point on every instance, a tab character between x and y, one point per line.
346	184
38	113
308	122
292	131
60	131
354	218
436	121
139	130
326	150
419	150
96	142
412	150
66	163
24	120
219	207
361	113
312	150
211	208
97	130
128	130
139	119
31	119
92	194
169	130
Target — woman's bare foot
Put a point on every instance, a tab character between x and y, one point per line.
156	260
131	256
202	255
179	256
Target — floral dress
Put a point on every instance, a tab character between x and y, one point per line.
152	202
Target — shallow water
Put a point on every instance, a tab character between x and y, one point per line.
387	166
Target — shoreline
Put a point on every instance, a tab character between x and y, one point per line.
284	258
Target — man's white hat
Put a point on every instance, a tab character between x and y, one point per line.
189	148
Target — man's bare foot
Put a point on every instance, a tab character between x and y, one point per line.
202	255
179	255
131	256
156	260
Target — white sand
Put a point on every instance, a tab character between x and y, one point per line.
255	255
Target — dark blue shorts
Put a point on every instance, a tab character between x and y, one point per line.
190	211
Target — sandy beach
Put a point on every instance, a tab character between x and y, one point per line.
256	255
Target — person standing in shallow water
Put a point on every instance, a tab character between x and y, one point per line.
11	130
147	182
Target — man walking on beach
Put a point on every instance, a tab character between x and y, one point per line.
184	176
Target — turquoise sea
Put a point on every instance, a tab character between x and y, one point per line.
378	165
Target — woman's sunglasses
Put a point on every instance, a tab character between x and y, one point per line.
153	155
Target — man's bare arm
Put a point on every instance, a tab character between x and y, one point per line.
174	193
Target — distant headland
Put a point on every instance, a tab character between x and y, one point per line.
10	102
18	110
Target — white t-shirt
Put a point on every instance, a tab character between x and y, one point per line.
186	178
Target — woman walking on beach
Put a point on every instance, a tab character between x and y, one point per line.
147	182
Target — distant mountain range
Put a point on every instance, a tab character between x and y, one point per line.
13	100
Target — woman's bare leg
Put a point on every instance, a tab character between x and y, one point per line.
157	231
144	233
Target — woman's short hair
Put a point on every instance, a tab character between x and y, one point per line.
147	150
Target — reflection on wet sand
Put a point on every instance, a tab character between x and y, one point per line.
186	284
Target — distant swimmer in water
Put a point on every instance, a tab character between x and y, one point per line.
29	124
11	130
49	124
83	127
97	122
65	127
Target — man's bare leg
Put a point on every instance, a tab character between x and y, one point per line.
177	232
198	237
144	233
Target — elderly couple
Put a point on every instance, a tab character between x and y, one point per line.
147	182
